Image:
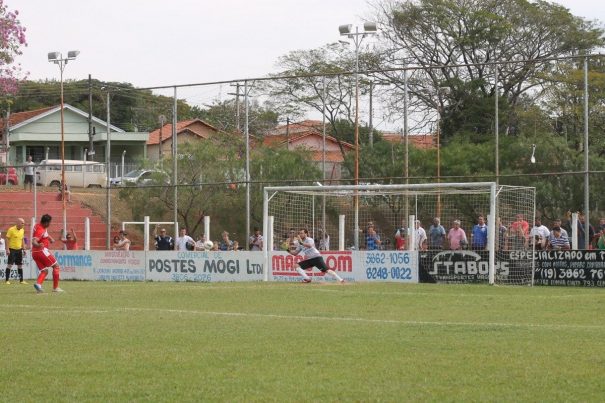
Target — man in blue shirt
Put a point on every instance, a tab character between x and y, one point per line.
479	234
372	239
558	241
436	234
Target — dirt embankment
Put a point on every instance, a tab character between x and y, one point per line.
96	200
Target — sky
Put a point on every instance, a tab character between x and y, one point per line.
152	43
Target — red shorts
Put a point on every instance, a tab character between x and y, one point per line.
43	258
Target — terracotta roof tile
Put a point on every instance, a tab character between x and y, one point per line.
424	141
182	126
297	127
18	117
275	140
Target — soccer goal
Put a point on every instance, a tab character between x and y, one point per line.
382	217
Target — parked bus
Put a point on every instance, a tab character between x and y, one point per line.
77	173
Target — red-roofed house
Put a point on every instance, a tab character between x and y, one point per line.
159	143
309	135
422	141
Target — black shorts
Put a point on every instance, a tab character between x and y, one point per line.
28	179
314	262
15	256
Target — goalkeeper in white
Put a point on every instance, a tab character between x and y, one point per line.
313	258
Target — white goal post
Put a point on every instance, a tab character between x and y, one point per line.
375	216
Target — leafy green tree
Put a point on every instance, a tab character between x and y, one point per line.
449	33
301	90
224	115
131	109
563	103
204	170
211	180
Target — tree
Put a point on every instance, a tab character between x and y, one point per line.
563	103
301	90
12	38
131	109
455	40
202	181
211	182
224	114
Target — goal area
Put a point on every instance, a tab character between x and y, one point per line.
377	217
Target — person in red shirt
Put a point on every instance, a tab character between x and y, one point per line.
42	256
70	241
520	223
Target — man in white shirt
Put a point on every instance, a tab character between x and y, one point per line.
539	233
29	173
420	234
183	240
312	257
256	241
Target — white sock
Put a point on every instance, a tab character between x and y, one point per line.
333	274
302	273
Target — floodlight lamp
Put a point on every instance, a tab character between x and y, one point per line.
72	54
369	26
54	56
345	29
533	152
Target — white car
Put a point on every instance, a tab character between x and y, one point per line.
141	177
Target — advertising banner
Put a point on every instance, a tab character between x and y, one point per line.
394	266
204	266
561	268
101	265
466	266
584	268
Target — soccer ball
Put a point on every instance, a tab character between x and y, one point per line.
208	245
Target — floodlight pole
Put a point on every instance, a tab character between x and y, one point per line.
108	172
58	59
496	124
407	143
357	37
247	134
586	165
175	166
323	161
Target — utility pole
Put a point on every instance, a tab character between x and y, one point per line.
237	86
162	119
287	133
91	146
371	134
6	133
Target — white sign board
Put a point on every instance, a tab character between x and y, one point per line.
204	266
391	266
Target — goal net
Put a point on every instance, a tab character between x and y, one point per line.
382	217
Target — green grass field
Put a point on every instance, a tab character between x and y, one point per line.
293	342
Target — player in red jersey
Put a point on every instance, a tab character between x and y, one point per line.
42	256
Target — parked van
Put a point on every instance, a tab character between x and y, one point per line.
77	173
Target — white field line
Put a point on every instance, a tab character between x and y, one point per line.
58	310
